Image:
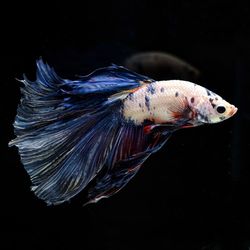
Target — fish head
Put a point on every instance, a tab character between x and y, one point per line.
212	108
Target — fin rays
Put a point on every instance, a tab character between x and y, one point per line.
67	131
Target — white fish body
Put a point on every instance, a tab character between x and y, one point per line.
167	101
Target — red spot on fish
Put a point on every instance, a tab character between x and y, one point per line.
147	129
188	126
177	115
135	89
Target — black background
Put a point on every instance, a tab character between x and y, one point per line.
194	193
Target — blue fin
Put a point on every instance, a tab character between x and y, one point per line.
61	137
51	98
110	80
67	131
126	159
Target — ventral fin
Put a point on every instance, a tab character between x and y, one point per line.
132	150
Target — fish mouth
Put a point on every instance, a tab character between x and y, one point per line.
233	110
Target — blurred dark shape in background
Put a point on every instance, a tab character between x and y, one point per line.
161	66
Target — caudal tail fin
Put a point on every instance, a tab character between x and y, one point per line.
63	136
67	131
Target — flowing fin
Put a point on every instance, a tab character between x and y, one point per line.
51	99
111	80
68	130
133	147
62	127
61	161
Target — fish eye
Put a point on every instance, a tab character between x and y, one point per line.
221	109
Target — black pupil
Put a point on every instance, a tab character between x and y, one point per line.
221	109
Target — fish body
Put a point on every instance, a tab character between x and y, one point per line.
95	132
168	102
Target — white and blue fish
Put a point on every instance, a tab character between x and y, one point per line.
94	133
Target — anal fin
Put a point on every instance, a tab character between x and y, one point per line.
122	170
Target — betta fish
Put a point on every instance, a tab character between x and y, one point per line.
95	132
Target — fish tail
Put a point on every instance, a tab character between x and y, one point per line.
71	136
63	137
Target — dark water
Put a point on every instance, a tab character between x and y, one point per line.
195	192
